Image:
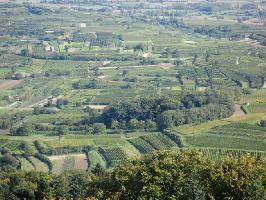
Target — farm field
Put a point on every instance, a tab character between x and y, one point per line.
63	163
95	158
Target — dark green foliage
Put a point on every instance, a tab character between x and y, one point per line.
186	175
171	110
25	129
263	123
44	149
7	159
98	128
164	175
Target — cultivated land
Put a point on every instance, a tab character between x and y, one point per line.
63	64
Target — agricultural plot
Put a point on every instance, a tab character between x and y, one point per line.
12	145
25	164
152	142
95	158
38	165
143	146
69	162
220	141
159	141
113	156
241	129
218	154
256	108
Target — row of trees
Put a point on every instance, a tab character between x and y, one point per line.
165	175
27	129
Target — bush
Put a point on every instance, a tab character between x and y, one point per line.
98	128
263	123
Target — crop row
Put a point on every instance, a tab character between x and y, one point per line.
218	154
149	143
159	141
113	156
142	145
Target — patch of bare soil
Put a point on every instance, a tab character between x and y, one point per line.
202	89
4	85
81	162
264	85
166	66
238	111
250	42
98	107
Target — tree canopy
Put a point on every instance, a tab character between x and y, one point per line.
165	175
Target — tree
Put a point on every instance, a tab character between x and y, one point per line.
98	128
4	150
24	52
59	103
161	176
165	119
263	123
195	57
13	70
238	179
25	129
186	174
150	125
115	124
63	130
8	159
36	111
79	183
19	76
133	124
98	170
124	72
140	47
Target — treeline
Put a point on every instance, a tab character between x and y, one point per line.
260	37
164	175
44	149
85	127
169	110
101	39
86	57
219	32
